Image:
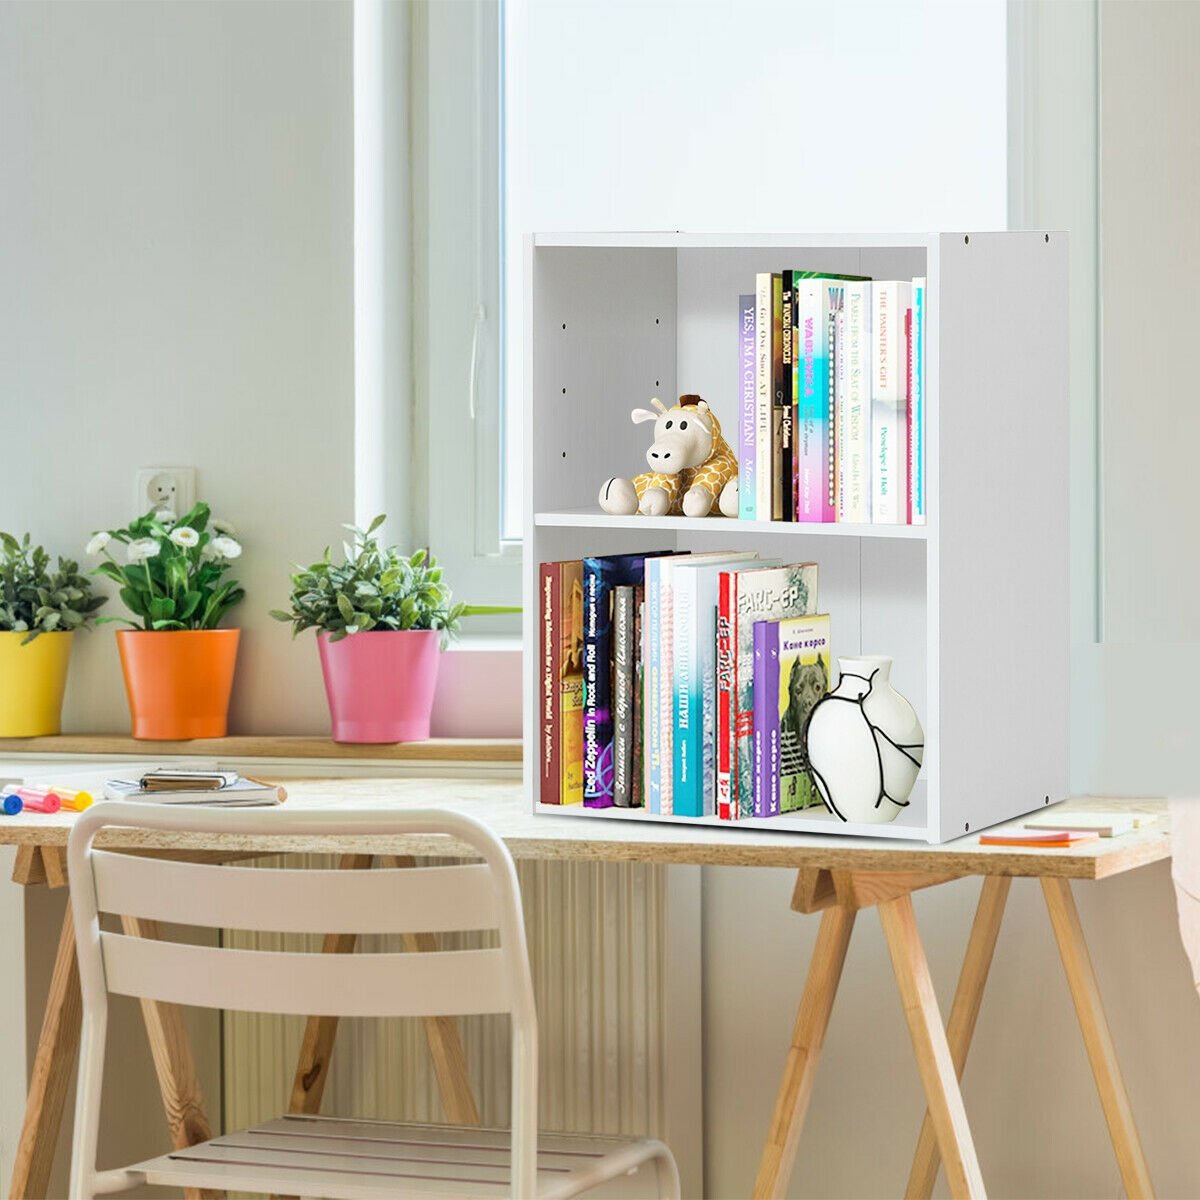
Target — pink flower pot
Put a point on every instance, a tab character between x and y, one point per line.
380	684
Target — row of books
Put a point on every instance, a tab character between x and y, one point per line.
680	683
832	399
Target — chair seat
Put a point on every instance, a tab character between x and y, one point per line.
335	1157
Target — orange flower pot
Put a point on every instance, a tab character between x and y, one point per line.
178	683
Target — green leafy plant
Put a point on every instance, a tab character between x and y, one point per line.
376	587
172	576
34	599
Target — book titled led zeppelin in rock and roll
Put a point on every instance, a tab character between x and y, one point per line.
600	577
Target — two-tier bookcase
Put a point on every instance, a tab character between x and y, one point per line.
973	606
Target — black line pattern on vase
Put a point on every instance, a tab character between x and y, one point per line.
876	733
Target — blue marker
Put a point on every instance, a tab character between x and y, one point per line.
12	805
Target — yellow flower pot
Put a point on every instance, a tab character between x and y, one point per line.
33	678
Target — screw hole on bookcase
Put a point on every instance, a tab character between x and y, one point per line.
564	454
967	827
656	320
1047	237
564	391
966	242
564	324
1047	799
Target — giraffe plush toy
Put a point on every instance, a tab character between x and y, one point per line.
692	469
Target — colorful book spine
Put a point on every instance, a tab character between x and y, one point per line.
747	460
639	707
571	682
777	414
651	672
664	700
763	593
624	655
549	761
763	402
687	787
854	406
831	443
802	672
696	583
813	418
766	719
600	576
916	406
725	700
889	402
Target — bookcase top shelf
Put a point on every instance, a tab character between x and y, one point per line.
678	239
590	518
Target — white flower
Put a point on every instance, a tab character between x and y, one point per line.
351	628
185	537
166	517
142	549
223	526
226	547
98	541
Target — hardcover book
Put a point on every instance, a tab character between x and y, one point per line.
624	665
803	665
549	715
889	401
854	406
816	301
764	593
600	576
570	732
778	432
747	460
916	406
764	400
696	588
766	719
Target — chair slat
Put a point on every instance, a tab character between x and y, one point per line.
392	900
455	982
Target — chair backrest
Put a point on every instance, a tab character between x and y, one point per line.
478	896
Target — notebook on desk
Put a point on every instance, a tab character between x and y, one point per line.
227	788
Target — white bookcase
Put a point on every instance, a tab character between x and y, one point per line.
973	606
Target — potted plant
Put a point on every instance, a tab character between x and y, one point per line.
178	665
380	686
40	610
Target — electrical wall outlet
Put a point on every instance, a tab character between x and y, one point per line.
166	489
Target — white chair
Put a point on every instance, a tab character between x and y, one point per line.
309	1156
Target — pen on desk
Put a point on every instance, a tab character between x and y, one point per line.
39	799
11	805
282	791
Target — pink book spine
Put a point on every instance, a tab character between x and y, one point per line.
666	694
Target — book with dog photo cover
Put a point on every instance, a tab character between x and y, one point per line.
795	672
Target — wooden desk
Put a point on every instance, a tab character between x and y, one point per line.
836	876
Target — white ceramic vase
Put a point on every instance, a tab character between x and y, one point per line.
865	743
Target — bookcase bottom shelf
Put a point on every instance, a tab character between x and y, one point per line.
910	825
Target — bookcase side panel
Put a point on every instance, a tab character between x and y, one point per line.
603	344
999	566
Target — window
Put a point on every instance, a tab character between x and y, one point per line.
465	505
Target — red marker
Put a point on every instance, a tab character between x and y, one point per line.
39	799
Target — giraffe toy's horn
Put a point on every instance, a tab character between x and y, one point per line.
662	408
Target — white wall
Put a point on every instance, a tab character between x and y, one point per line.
176	267
176	233
645	116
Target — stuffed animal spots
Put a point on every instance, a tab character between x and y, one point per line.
693	471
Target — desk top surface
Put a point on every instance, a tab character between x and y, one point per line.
502	805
